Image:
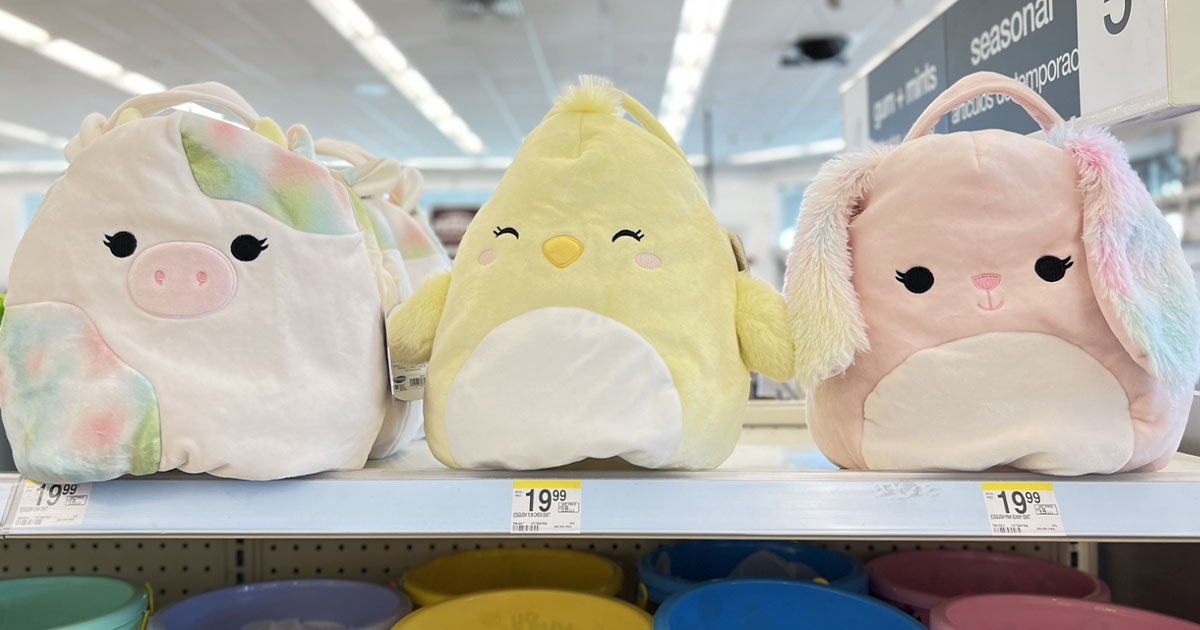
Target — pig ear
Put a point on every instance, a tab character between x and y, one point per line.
300	142
822	305
1144	286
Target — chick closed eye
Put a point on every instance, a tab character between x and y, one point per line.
634	234
501	231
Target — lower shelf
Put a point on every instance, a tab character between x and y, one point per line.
776	484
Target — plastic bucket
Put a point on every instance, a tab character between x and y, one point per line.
917	581
1032	612
776	605
676	568
355	605
492	569
72	602
524	609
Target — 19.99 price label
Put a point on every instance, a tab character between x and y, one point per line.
1022	509
52	504
546	506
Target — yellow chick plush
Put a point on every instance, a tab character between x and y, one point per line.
596	308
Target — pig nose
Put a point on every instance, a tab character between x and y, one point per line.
986	281
181	279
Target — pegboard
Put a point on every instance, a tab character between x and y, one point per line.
178	568
174	568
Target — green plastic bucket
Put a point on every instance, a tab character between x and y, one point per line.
71	602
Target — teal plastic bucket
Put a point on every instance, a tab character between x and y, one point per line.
71	602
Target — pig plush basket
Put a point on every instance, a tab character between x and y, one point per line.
981	299
192	295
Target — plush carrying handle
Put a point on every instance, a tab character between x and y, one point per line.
980	83
211	93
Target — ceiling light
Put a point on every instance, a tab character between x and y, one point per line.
789	152
30	135
136	83
461	163
700	23
74	56
33	166
20	32
348	19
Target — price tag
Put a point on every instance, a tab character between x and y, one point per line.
1022	509
52	504
546	506
408	382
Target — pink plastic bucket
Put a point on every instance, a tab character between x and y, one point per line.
1032	612
917	581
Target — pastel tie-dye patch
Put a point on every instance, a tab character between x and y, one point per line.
73	410
237	165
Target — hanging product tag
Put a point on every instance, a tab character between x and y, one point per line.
408	382
52	504
1022	509
546	506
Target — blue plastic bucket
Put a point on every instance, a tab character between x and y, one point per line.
355	605
71	602
687	564
776	605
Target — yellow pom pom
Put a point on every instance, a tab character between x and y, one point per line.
593	95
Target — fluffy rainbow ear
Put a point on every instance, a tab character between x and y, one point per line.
300	142
823	308
1144	285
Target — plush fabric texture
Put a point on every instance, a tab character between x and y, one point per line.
288	378
589	195
910	257
84	415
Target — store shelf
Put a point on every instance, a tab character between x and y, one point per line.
775	485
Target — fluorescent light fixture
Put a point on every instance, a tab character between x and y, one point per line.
462	163
20	32
700	23
33	167
348	19
30	135
788	152
76	57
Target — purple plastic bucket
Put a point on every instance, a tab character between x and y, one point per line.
917	581
355	605
1033	612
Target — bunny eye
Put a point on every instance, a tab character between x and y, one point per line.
636	235
499	231
916	279
122	244
1052	268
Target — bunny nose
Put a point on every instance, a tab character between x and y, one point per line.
986	281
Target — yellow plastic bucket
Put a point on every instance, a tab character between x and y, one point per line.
528	608
515	568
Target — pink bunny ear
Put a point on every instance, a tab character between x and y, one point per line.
1144	285
822	305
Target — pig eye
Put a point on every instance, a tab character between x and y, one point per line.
916	280
247	247
1052	268
122	244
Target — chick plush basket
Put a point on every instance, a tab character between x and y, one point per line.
193	295
595	309
979	299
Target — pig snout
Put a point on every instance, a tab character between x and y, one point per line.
181	280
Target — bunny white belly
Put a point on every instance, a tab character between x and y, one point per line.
1029	400
557	385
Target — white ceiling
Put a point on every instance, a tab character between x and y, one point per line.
291	65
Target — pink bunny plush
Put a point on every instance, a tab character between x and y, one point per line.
980	299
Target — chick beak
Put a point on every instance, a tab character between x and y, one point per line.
562	250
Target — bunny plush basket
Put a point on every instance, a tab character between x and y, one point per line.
193	295
980	299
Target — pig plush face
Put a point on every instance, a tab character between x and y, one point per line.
985	299
207	294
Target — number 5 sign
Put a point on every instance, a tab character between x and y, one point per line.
1022	509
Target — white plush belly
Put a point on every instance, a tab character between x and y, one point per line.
557	385
1024	399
